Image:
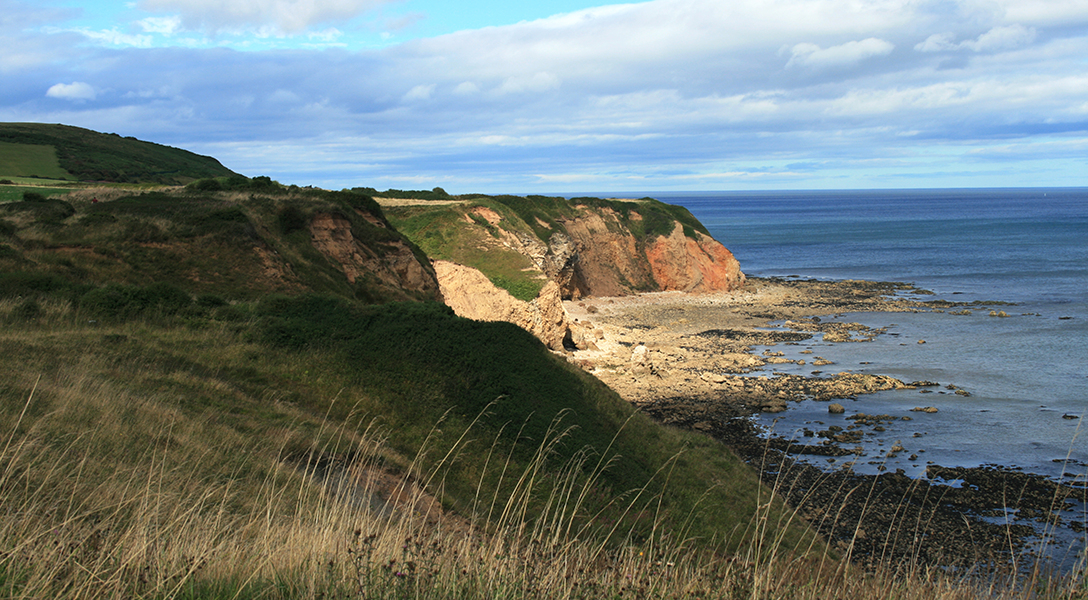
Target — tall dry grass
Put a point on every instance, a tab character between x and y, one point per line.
108	495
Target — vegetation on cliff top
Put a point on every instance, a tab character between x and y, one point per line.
63	152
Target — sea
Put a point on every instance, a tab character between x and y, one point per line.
1022	378
1013	390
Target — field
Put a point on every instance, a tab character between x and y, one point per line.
24	159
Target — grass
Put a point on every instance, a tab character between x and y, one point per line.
106	494
26	159
443	233
15	193
65	152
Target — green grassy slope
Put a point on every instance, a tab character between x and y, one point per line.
20	160
66	152
141	285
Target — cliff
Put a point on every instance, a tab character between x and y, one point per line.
542	250
236	245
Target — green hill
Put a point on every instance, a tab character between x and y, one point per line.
72	153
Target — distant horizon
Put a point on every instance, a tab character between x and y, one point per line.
642	194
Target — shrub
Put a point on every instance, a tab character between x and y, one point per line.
97	218
143	232
206	185
290	218
33	197
33	284
210	301
120	302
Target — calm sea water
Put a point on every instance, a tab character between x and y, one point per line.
1024	373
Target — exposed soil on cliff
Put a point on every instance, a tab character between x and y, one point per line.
685	360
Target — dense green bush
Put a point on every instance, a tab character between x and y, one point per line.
18	283
120	302
46	210
290	218
210	301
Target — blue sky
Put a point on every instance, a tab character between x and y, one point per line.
571	95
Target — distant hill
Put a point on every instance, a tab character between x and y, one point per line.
66	152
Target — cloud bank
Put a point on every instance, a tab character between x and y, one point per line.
666	94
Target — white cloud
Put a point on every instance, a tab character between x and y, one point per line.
535	83
111	37
1002	38
466	88
811	55
1046	12
938	42
76	91
420	92
162	25
1006	37
269	17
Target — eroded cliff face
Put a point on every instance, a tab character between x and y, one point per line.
680	263
610	261
471	295
395	267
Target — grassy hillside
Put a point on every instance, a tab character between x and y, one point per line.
71	153
195	403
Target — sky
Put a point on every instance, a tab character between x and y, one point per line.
567	96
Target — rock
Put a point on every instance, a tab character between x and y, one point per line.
713	378
775	405
472	295
927	409
836	409
397	267
640	355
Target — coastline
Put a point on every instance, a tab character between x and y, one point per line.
687	361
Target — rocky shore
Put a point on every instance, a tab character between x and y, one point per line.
687	360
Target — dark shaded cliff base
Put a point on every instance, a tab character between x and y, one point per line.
681	359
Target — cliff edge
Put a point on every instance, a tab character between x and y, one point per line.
515	259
